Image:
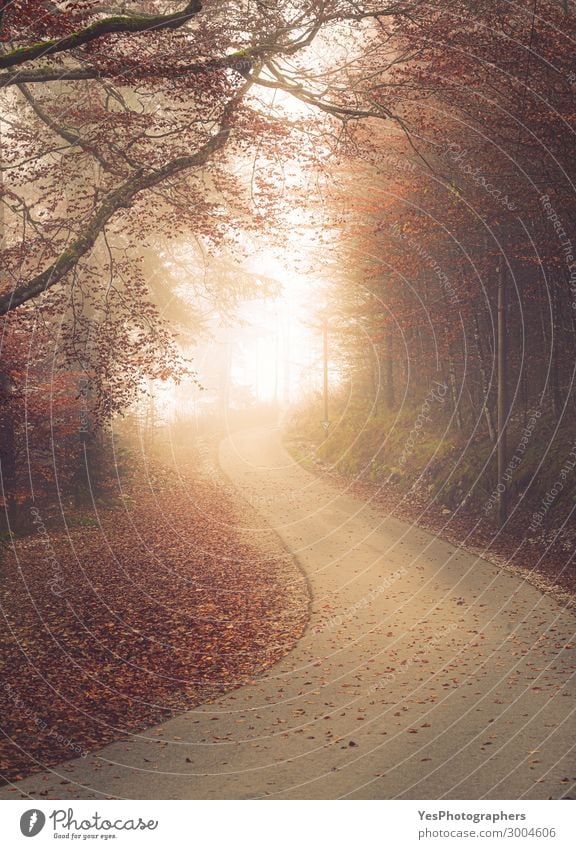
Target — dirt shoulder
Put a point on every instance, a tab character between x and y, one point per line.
544	560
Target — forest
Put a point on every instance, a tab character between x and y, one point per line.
350	223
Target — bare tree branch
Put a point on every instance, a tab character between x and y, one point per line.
119	198
73	138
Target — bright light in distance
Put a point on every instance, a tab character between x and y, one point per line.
277	353
271	351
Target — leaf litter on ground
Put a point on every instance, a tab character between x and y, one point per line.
163	604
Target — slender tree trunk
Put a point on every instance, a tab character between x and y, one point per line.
555	392
150	429
325	370
8	467
502	392
390	390
484	380
453	383
374	383
225	379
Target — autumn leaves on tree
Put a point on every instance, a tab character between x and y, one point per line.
121	125
452	123
457	236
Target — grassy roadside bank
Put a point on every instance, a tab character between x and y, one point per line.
421	468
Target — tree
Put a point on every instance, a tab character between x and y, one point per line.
150	117
478	193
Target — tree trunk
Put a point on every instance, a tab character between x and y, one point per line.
502	393
555	392
390	391
452	382
325	370
8	467
484	380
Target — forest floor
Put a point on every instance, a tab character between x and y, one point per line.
425	672
134	613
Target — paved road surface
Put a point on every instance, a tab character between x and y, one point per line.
424	673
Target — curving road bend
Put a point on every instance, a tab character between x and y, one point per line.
425	673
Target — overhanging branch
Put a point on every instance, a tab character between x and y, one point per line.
113	25
118	198
300	92
240	62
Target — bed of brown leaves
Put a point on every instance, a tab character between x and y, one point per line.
159	606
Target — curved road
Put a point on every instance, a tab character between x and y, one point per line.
425	673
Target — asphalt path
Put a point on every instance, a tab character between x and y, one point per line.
425	672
